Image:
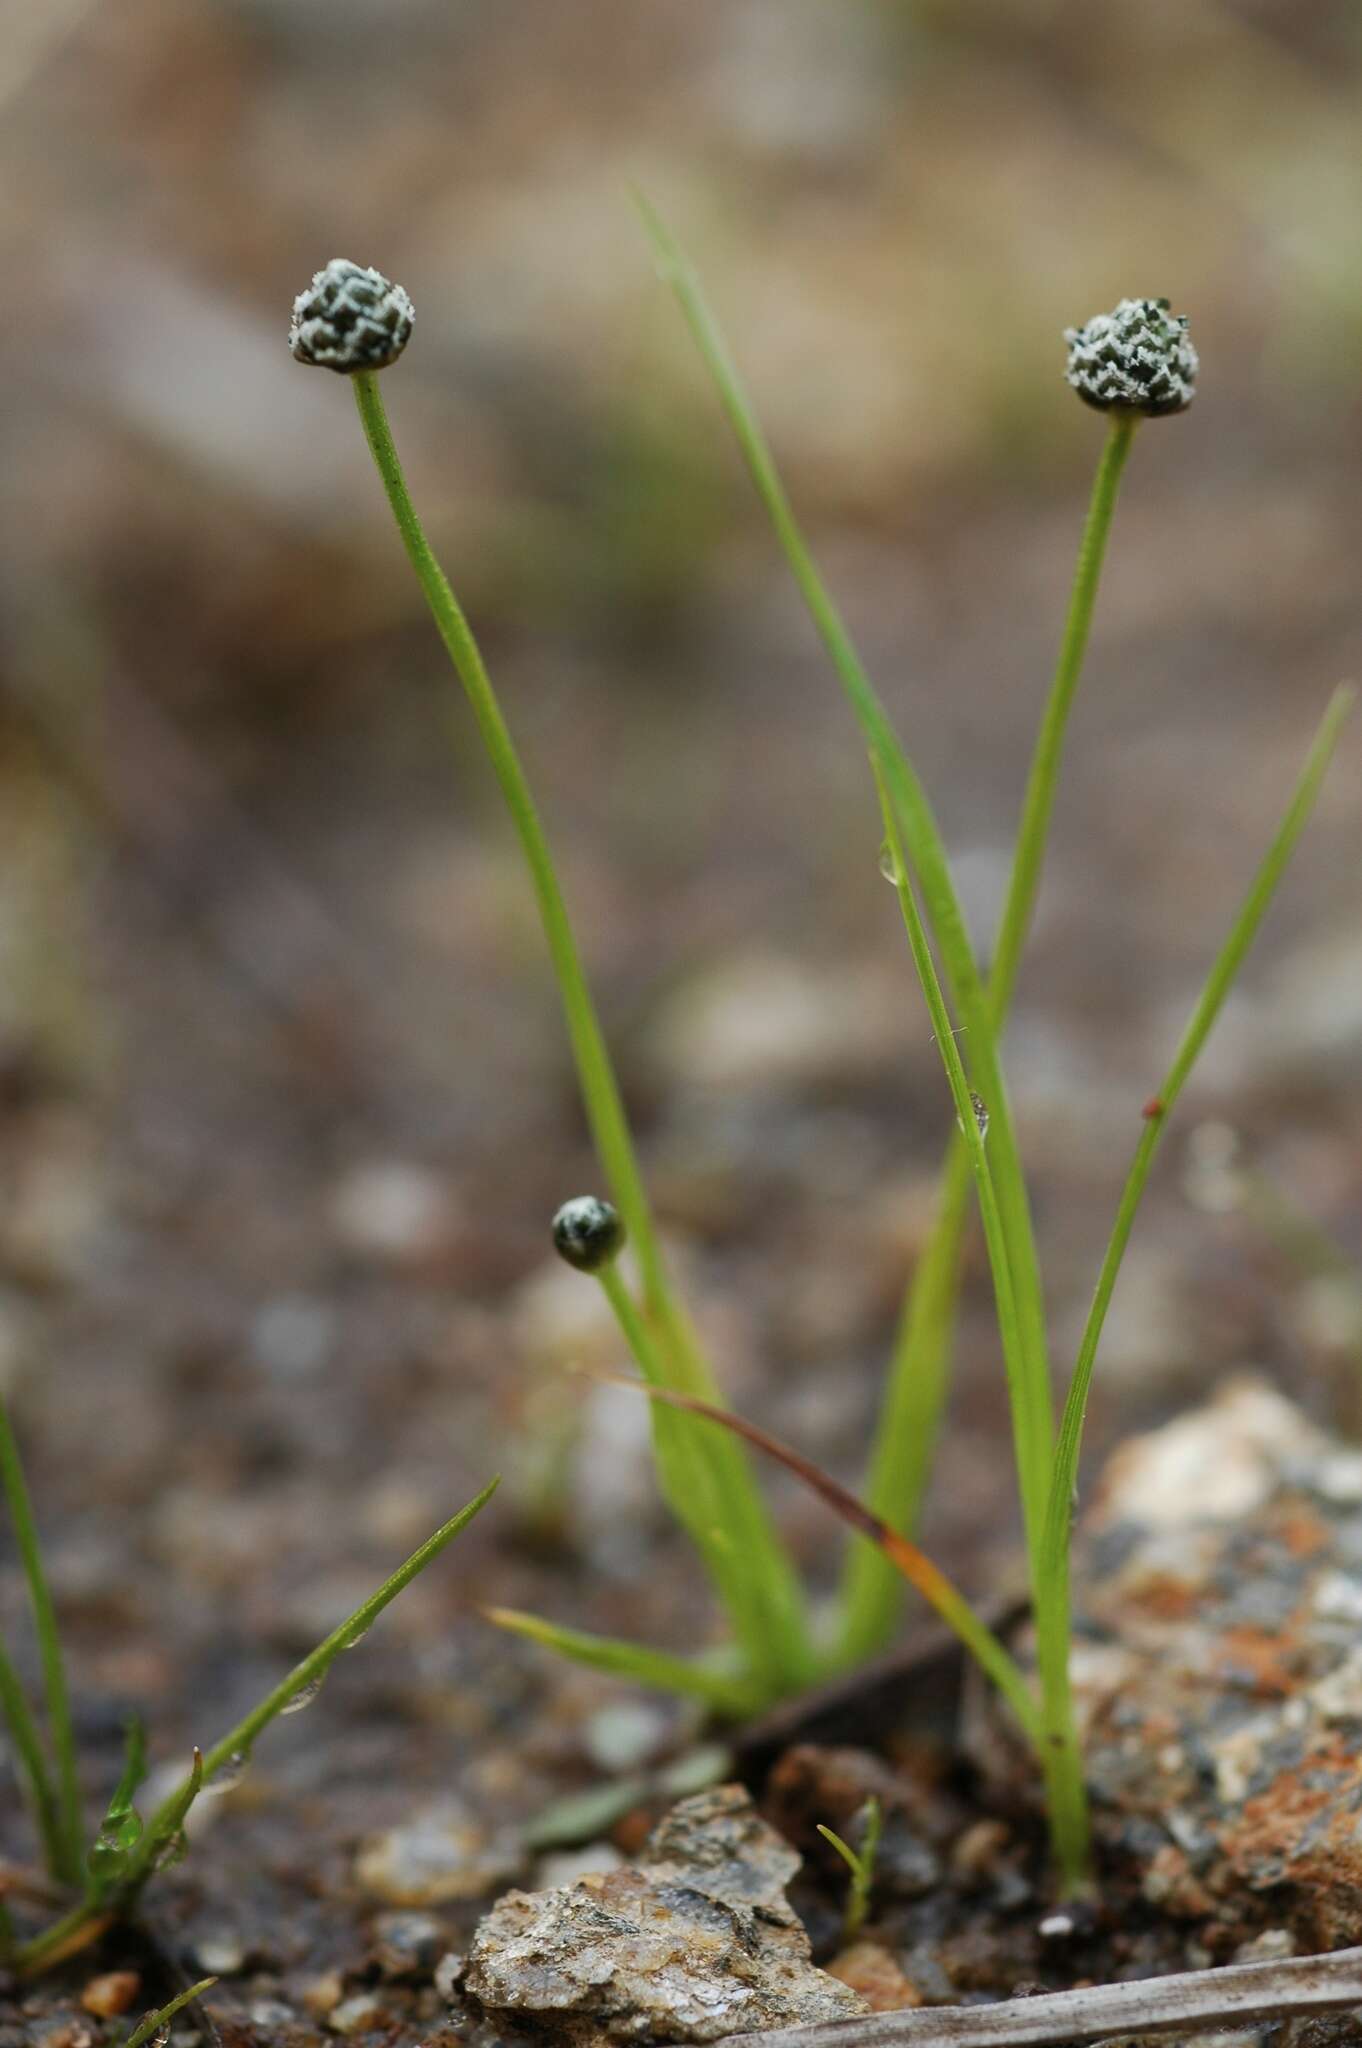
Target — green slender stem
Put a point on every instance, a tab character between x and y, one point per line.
600	1089
695	1467
162	2017
66	1861
919	1369
912	1410
1038	804
170	1815
28	1751
861	1864
945	1599
777	1638
1061	1759
732	1698
1053	1605
1032	1415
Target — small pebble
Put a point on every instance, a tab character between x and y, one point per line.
407	1943
449	1973
323	1994
626	1735
354	2015
976	1852
271	2013
111	1994
394	1212
220	1955
869	1968
445	1855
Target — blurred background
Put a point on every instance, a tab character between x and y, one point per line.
285	1102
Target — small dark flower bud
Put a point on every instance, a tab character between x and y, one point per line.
1137	358
588	1233
350	319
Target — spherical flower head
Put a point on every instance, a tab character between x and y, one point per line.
1137	358
588	1233
350	319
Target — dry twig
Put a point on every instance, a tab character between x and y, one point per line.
1235	1996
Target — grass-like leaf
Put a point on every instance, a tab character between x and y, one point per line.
1053	1605
121	1829
919	1368
27	1746
727	1696
766	1603
1033	1420
99	1905
917	1568
63	1835
860	1863
151	2026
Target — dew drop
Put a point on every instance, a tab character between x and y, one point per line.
304	1696
171	1851
353	1642
161	2037
227	1774
104	1857
889	866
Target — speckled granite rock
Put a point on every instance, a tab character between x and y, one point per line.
695	1941
1218	1671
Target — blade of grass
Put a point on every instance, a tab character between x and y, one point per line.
238	1740
730	1697
776	1638
861	1864
69	1832
154	2021
1061	1761
1033	1422
1053	1597
983	1645
28	1752
694	1483
871	1596
912	1408
170	1815
167	1830
121	1828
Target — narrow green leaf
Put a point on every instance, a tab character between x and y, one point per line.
774	1627
121	1828
1033	1421
66	1850
1053	1599
919	1367
168	1819
154	2021
987	1650
28	1753
731	1697
695	1471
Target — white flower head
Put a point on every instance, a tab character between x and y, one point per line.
1137	358
350	319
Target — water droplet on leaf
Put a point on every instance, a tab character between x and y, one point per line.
889	866
171	1851
228	1773
304	1696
